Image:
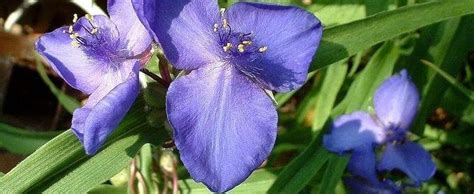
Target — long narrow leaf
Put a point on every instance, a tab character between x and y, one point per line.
64	158
21	141
343	41
451	80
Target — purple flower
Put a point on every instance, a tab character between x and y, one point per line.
224	123
395	102
358	186
99	56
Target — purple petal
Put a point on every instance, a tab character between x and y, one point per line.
131	30
291	36
362	163
359	186
71	63
224	125
184	29
410	158
103	112
351	131
396	101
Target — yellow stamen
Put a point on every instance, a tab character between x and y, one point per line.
70	30
262	49
74	19
89	17
225	23
241	48
222	11
75	44
247	42
73	36
227	47
94	30
216	26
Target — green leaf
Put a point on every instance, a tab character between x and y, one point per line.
455	41
334	171
379	67
258	182
146	168
108	189
62	166
338	42
326	96
343	41
451	80
299	172
336	12
22	141
68	102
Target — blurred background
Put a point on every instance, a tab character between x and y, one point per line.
36	105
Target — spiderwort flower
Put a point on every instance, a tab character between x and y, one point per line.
99	56
224	123
395	104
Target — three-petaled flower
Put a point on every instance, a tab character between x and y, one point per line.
101	57
224	123
395	103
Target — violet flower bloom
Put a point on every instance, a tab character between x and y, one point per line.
224	123
395	103
101	57
357	186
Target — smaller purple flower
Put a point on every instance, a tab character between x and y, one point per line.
359	186
224	122
99	56
395	102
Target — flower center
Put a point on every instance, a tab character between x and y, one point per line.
98	43
236	44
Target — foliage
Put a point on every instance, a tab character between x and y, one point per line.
363	44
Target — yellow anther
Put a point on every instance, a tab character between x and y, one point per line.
262	49
247	42
216	26
241	48
70	30
75	44
227	47
222	11
89	17
73	36
74	19
225	23
94	30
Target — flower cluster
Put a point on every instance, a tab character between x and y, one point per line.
395	103
221	110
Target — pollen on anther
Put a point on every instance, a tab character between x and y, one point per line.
74	19
225	24
73	36
70	30
222	11
216	26
75	44
89	17
94	30
262	49
241	48
247	42
227	47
